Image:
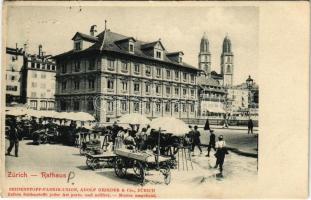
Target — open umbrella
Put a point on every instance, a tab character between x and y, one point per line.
134	118
83	116
170	125
16	111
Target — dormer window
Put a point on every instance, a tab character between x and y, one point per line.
158	54
180	59
175	56
78	45
131	47
87	40
126	44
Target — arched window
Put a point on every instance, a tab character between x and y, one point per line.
228	69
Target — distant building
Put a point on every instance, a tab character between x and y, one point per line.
13	66
237	98
110	74
226	63
225	78
244	99
211	97
38	86
212	86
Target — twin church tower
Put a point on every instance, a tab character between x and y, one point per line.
226	60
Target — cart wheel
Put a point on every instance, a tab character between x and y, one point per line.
136	168
142	174
95	164
88	162
82	151
120	168
139	171
167	176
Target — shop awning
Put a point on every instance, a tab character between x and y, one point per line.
216	108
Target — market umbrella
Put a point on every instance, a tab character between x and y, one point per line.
34	113
83	116
134	118
170	125
67	115
16	111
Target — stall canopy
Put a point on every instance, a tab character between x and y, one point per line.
133	118
16	111
76	116
170	125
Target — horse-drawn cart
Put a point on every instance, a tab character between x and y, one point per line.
101	160
141	163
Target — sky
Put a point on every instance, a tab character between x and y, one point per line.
180	29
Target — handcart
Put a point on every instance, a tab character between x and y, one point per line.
141	163
105	159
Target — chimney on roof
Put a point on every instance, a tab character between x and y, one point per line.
25	49
40	50
93	30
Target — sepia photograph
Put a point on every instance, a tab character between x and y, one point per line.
130	101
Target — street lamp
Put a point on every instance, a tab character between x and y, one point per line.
249	84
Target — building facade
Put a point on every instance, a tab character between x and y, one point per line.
244	99
212	86
110	74
39	86
212	96
14	64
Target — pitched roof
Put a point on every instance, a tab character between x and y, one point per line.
152	44
215	75
175	53
126	39
204	80
106	41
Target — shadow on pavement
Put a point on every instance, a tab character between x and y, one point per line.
83	167
130	179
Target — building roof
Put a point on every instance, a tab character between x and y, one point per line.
244	86
215	75
206	81
106	41
85	37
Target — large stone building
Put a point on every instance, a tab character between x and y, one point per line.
13	66
30	78
110	74
38	86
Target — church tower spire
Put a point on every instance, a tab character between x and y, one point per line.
226	62
205	56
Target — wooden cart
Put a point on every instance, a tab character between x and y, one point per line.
90	147
98	161
141	162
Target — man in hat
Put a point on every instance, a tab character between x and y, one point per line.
13	137
212	142
250	126
196	139
220	153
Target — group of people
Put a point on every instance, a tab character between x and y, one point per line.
219	146
132	136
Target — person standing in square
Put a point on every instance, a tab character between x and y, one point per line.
212	142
